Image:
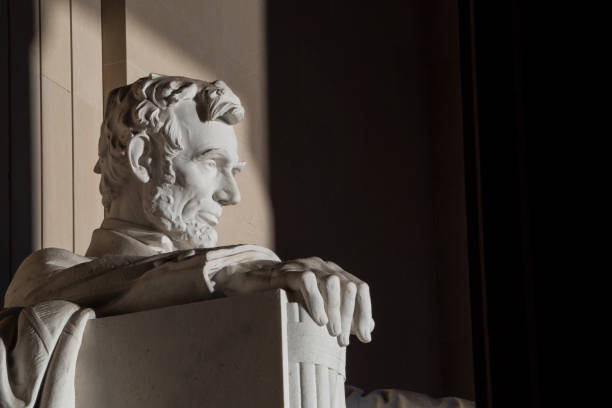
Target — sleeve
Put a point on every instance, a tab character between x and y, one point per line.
123	284
28	341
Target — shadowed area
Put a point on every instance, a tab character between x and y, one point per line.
366	170
19	139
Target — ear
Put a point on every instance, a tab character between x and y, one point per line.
138	153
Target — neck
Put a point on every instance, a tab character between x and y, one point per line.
127	206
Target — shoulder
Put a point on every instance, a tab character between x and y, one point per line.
37	268
51	259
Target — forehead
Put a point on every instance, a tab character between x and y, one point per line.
198	136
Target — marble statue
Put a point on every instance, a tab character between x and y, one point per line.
168	163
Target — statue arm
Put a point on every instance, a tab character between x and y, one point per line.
108	283
158	283
122	284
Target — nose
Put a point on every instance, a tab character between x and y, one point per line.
228	193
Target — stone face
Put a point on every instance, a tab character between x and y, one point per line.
254	350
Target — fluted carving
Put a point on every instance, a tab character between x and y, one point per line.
316	363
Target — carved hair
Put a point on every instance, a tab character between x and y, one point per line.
143	108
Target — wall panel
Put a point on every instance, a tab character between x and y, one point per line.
56	122
87	115
52	71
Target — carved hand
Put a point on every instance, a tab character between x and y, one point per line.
332	296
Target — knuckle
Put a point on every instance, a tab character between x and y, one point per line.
333	282
332	265
351	288
363	287
308	277
316	259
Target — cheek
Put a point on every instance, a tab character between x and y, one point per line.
191	207
197	182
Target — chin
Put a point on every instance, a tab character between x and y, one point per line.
187	235
204	238
186	232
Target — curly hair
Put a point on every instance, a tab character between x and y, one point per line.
143	108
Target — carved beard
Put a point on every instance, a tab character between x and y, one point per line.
185	231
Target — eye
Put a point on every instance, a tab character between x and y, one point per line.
211	164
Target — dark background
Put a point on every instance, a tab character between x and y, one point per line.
18	131
366	167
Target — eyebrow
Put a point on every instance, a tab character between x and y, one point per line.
213	150
239	166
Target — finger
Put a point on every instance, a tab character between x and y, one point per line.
363	322
363	313
347	309
306	284
331	287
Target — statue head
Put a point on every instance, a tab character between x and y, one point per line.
168	149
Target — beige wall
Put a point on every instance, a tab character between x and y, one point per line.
214	39
71	112
206	40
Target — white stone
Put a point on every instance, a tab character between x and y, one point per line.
244	351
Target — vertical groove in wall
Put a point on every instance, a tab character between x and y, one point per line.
36	224
40	102
74	221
